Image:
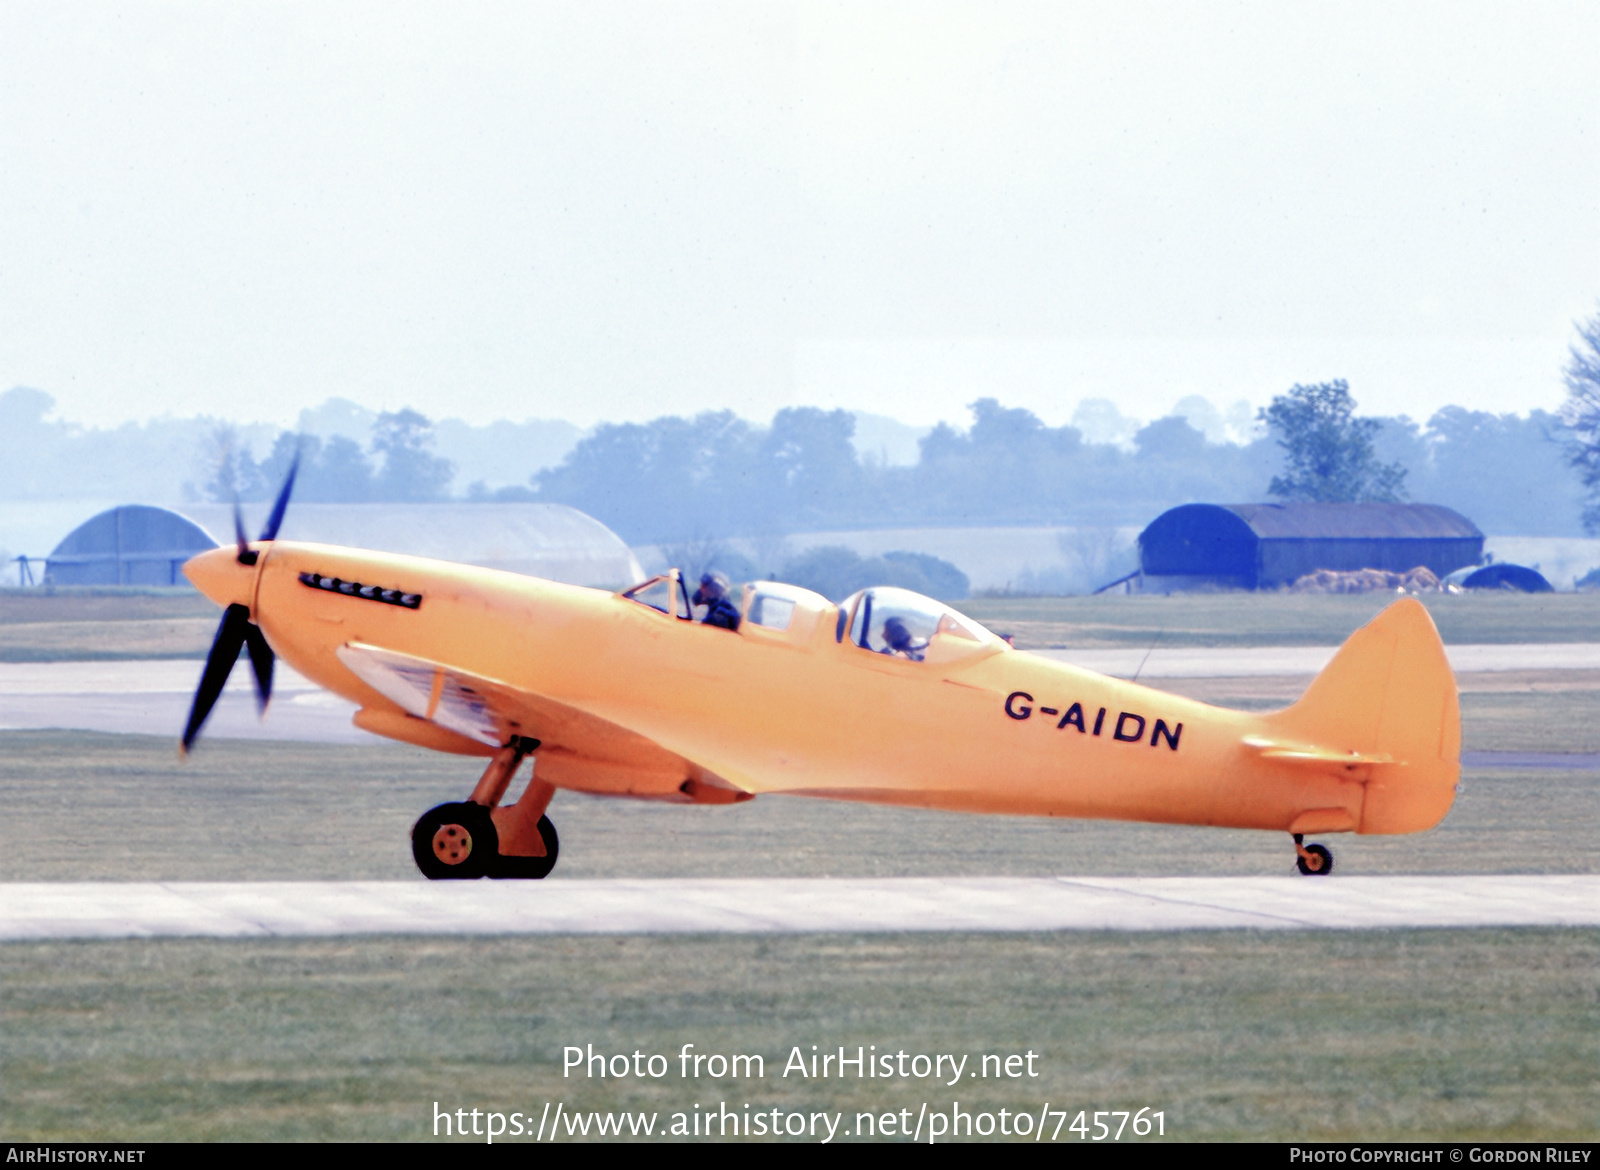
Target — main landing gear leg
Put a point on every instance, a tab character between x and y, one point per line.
478	838
528	841
1312	860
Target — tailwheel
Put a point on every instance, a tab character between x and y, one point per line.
1312	860
530	867
454	841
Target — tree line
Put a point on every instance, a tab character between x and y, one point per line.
677	479
717	475
403	467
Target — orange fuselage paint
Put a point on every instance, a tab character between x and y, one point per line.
977	727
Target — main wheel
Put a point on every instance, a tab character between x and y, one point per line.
530	867
454	841
1318	864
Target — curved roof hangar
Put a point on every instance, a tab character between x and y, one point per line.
136	544
1254	546
551	541
130	545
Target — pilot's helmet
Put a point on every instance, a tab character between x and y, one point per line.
712	586
896	635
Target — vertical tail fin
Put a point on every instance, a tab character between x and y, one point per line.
1388	693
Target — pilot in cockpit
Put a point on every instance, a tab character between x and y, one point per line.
713	594
899	640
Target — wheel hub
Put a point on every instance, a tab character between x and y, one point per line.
452	844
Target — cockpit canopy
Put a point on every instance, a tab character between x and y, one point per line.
898	622
884	620
767	609
771	604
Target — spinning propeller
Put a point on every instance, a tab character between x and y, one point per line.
237	631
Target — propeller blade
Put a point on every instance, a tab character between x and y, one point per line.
224	653
238	532
261	658
275	521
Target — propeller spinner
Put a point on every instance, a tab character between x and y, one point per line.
237	631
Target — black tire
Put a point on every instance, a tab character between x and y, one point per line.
478	826
530	867
1324	865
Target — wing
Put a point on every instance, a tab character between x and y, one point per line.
579	751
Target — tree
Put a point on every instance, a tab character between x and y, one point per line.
34	459
1580	414
342	473
1008	467
335	472
1169	440
405	438
1330	457
1507	472
668	479
809	464
237	476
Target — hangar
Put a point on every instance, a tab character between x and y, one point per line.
1264	546
131	545
139	545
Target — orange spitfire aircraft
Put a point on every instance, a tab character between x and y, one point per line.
888	697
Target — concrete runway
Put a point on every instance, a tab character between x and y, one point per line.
152	696
1247	661
116	910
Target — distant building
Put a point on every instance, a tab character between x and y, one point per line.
1503	575
137	545
130	545
1264	546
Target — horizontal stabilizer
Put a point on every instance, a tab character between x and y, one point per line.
1272	749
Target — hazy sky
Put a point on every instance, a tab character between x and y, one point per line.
596	211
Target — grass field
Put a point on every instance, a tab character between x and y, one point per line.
1371	1035
1279	619
80	627
83	806
77	625
1234	1035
